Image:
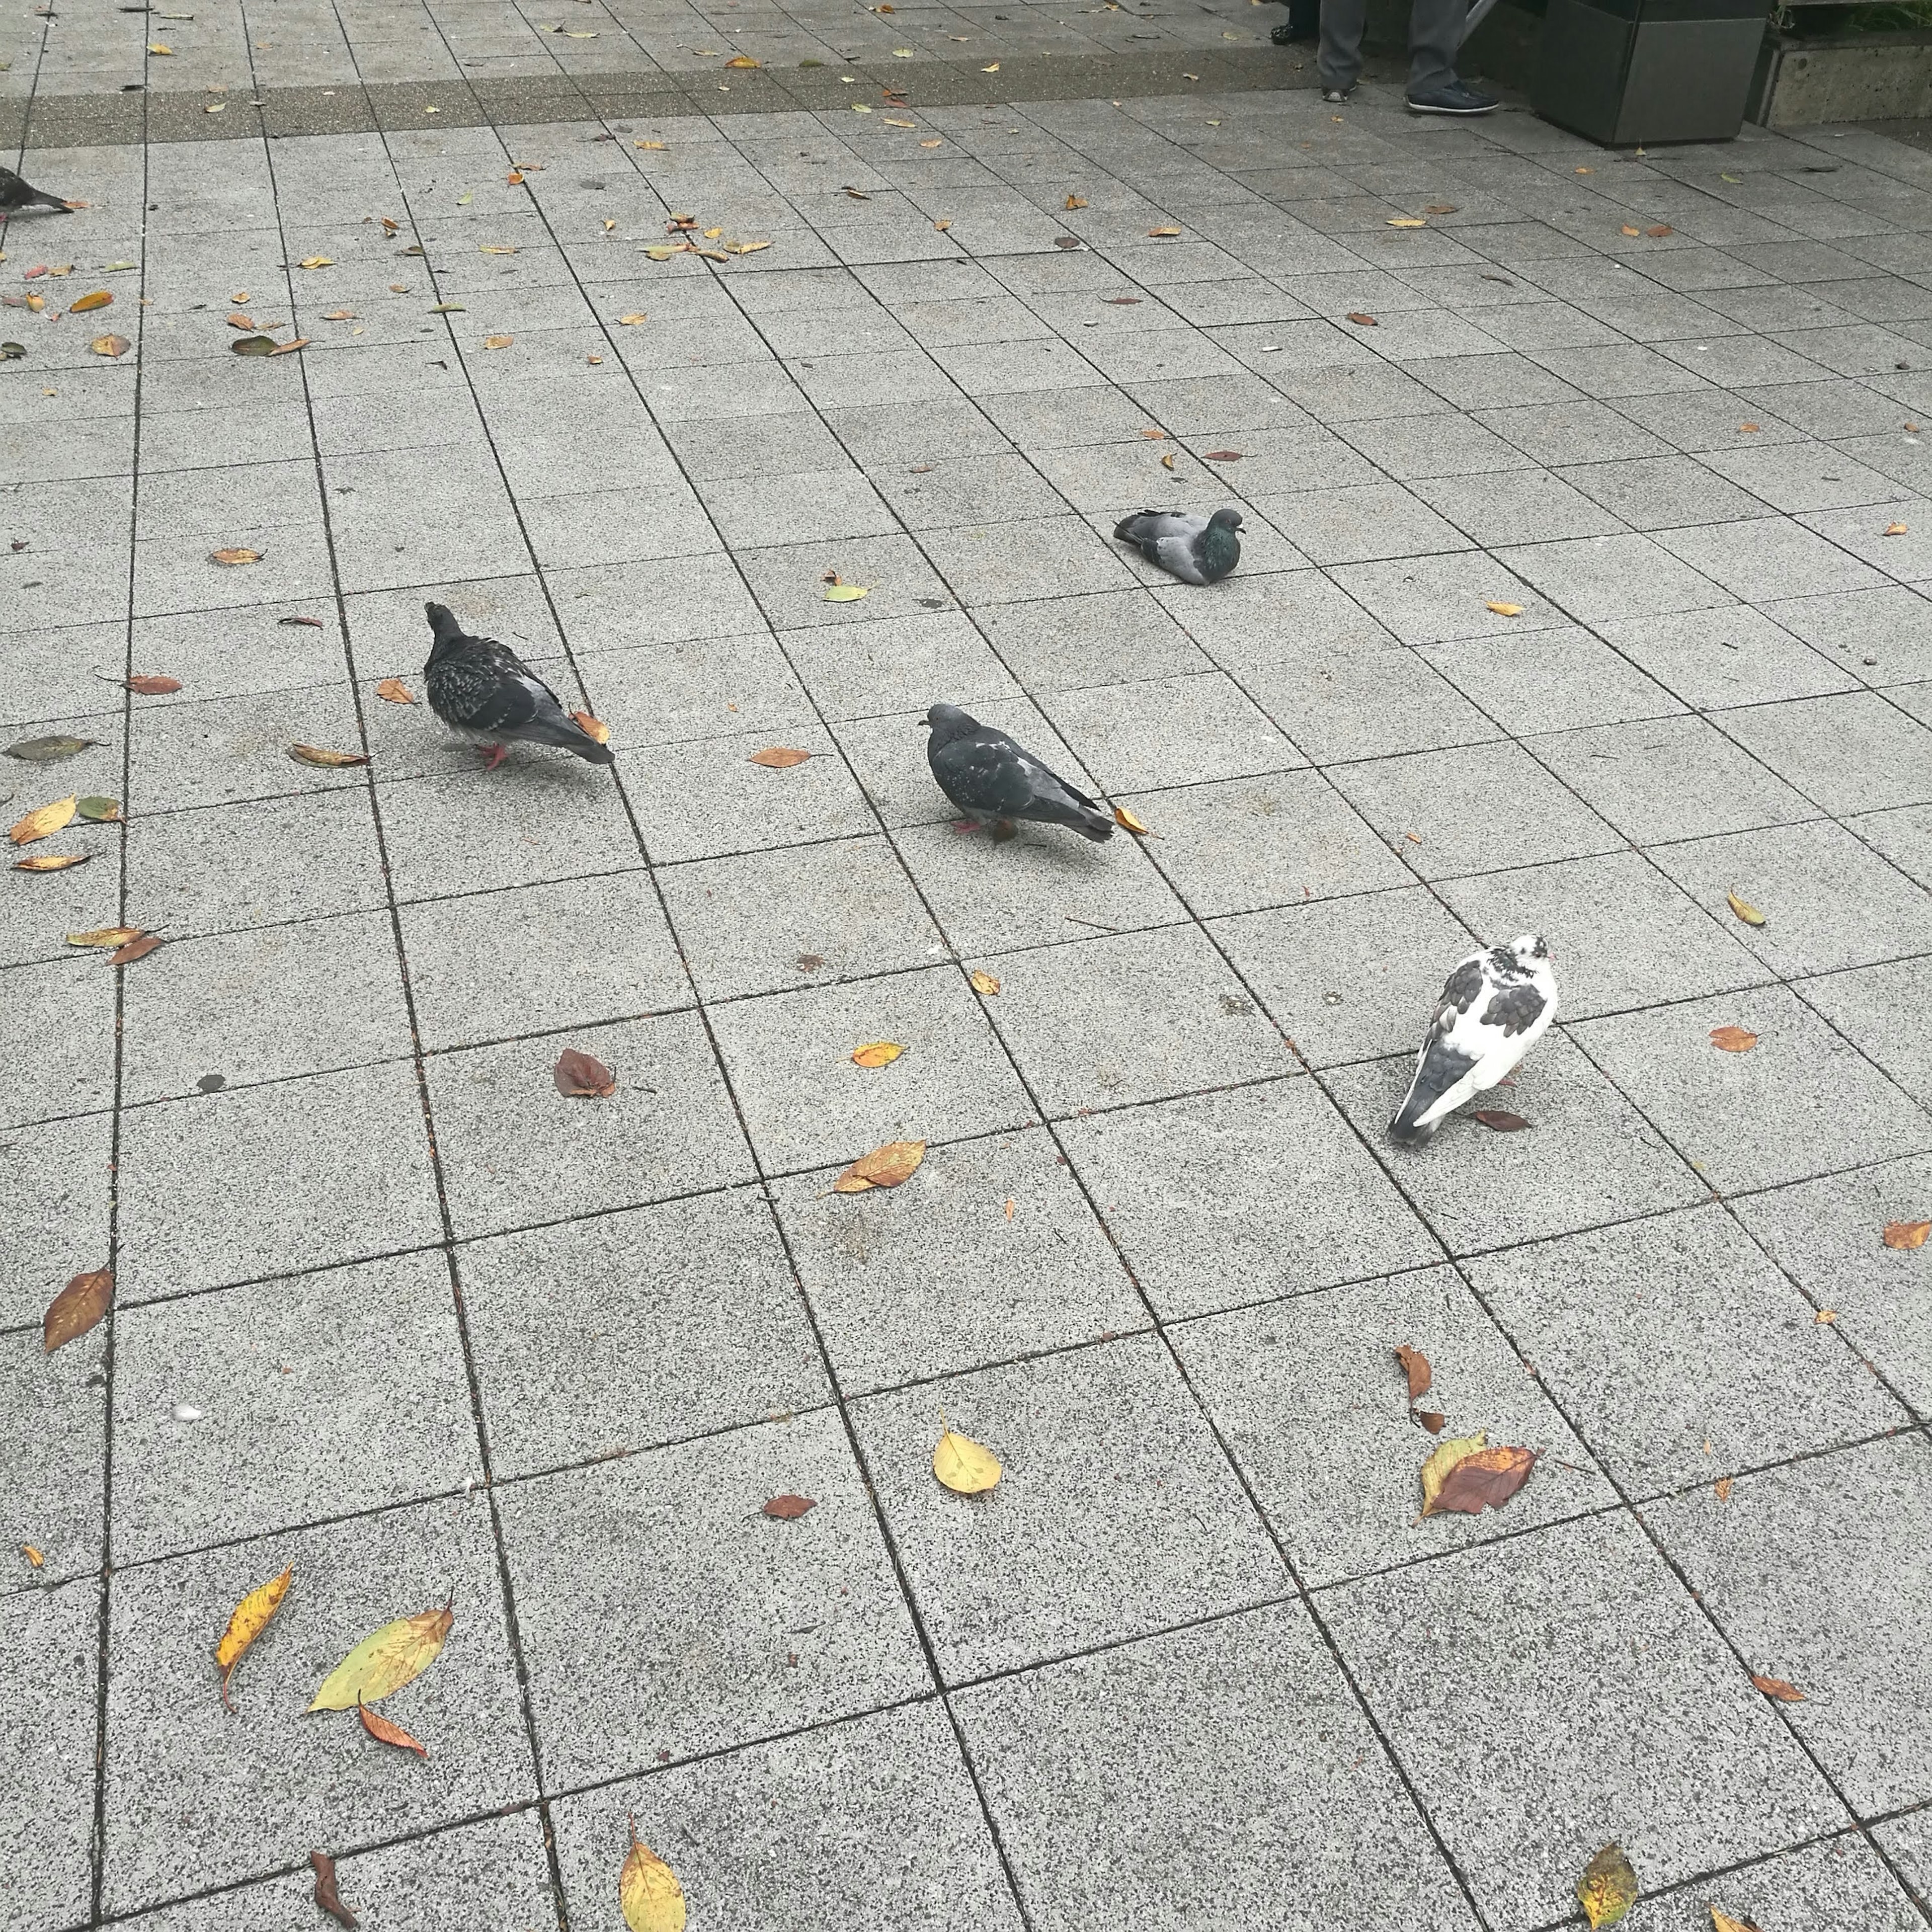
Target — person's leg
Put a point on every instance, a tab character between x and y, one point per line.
1339	62
1434	35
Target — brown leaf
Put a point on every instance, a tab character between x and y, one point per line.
290	348
326	1896
1776	1687
379	1728
1167	461
1722	1487
317	754
148	686
1906	1234
307	623
1441	207
340	315
1487	1479
52	861
1162	233
591	728
789	1508
498	341
110	345
1076	201
1430	1419
779	757
1362	321
395	691
985	984
884	1167
229	558
1662	228
1723	1921
1732	1039
1503	609
135	949
582	1076
1222	456
238	320
1415	1366
1498	1120
76	1308
33	1555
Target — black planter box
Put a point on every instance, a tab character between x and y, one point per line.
1634	72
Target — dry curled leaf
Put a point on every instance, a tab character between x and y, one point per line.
1906	1234
1499	1120
1441	208
788	1508
1723	1921
1826	1317
742	60
648	1891
631	321
1897	530
1723	1488
134	949
876	1053
326	1896
1486	1479
779	757
290	348
44	820
1732	1039
340	315
318	262
1432	1419
1659	230
1629	230
307	623
967	1467
1128	822
1074	201
110	345
1162	233
1167	461
100	298
249	1619
1503	609
51	862
319	754
230	560
583	1076
1744	910
499	341
151	686
1607	1888
385	1660
76	1308
1415	1366
33	1555
385	1732
104	935
885	1166
395	691
1362	321
1776	1688
985	984
591	727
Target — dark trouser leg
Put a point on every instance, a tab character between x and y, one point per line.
1434	34
1339	62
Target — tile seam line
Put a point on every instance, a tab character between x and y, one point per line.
478	1421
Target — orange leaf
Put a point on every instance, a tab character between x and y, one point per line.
152	686
985	984
788	1508
1662	228
135	949
1415	1366
884	1167
876	1053
1776	1687
1363	321
320	755
1906	1234
229	558
1722	1487
779	757
1896	529
593	727
582	1076
1732	1039
379	1728
1629	230
1127	822
76	1308
395	691
238	320
100	298
110	345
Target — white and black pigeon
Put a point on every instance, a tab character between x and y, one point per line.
995	781
483	690
16	194
1197	549
1495	1007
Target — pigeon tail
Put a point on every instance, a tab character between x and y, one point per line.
1089	821
1422	1109
568	736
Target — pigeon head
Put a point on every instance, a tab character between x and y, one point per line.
1530	950
1225	519
947	722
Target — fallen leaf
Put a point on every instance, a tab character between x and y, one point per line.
76	1308
395	691
326	1896
379	1728
1723	1921
891	123
1076	201
498	341
1498	1120
316	754
135	949
1744	910
98	811
876	1053
648	1891
52	861
1485	1480
384	1661
1825	1317
1906	1234
238	320
967	1467
1748	429
33	1555
149	685
48	751
1431	1420
1362	321
660	145
515	178
591	728
789	1508
494	248
1896	529
582	1076
310	623
1662	228
1732	1039
1723	1488
779	757
885	1166
45	820
746	247
1128	822
249	1619
1607	1889
1415	1366
110	345
253	345
317	262
232	560
1777	1688
1222	456
1505	610
846	593
985	984
1162	233
100	298
1629	230
944	222
631	321
1167	461
104	935
993	68
1405	221
742	60
1155	435
290	348
1441	208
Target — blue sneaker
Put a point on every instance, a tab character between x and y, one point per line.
1453	97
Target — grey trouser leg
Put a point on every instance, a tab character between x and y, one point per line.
1339	61
1434	34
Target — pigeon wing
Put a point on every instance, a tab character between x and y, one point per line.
987	773
477	690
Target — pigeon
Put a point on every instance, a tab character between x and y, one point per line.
993	781
485	691
16	194
1495	1007
1197	549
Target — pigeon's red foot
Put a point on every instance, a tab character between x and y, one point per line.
966	825
495	755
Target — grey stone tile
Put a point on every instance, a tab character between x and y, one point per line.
1116	1514
1431	600
1379	519
635	1329
1665	492
1571	431
1885	1011
1313	1405
865	671
1595	579
205	1193
1178	730
1813	1570
1848	754
227	750
1881	637
1157	1726
196	1799
1679	1350
52	1640
57	1022
1111	637
1797	476
57	1181
514	1151
707	687
341	1392
1351	702
999	563
1550	680
52	1459
1890	535
1517	506
968	489
1589	1158
754	1626
1145	1040
1840	1881
962	1281
1623	1668
1770	558
752	1836
1800	1103
1715	659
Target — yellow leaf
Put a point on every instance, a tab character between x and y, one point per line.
876	1053
1744	910
1506	610
104	935
250	1619
891	123
1608	1888
318	262
991	67
859	107
157	47
631	321
1127	822
230	560
591	728
1076	201
1906	1234
100	298
47	819
1723	1921
397	1654
985	983
741	60
315	754
1891	530
1161	232
110	345
845	593
712	234
1167	461
1406	221
1443	1460
498	341
746	247
944	222
884	1167
32	1555
660	145
1628	229
648	1890
1826	1317
51	862
395	691
966	1468
486	248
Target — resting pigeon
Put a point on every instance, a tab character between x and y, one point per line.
1197	549
16	194
1495	1007
485	691
993	781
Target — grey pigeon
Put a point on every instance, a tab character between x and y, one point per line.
993	781
1495	1007
1197	549
483	690
16	194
